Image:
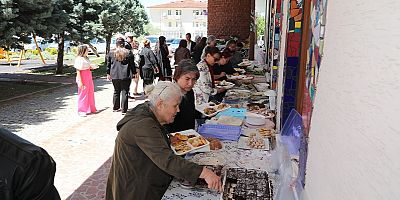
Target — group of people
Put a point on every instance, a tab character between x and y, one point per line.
143	163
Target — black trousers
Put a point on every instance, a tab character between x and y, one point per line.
147	76
121	89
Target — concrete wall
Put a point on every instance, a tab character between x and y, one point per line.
354	150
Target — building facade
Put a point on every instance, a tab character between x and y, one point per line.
176	18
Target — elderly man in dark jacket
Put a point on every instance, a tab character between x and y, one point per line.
143	164
26	171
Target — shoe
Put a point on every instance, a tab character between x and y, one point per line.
137	94
118	110
82	114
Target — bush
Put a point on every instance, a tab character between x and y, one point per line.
34	52
52	51
74	50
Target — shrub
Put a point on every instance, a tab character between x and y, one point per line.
74	50
52	51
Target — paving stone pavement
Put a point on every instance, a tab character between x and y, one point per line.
81	146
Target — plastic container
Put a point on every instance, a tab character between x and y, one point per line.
223	132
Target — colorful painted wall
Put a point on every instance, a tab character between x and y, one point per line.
293	43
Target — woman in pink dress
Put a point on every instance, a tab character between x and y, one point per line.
85	82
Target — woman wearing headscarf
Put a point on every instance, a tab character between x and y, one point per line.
143	163
120	70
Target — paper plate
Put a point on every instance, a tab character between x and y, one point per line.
255	121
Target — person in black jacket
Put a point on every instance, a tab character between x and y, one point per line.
26	170
150	64
185	75
120	70
163	55
198	50
190	43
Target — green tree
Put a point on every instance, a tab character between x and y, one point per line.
121	16
20	18
84	20
82	24
260	25
149	29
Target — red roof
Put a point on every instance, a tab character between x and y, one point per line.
182	4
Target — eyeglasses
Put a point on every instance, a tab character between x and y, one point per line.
216	59
162	90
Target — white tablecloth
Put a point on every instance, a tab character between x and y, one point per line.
229	156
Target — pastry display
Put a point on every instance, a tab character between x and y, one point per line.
210	110
197	141
247	184
256	142
215	144
222	106
266	132
182	148
183	143
255	106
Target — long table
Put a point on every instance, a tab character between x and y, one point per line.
230	157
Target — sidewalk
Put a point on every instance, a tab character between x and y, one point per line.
81	146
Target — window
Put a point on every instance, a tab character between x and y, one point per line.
204	12
169	12
204	24
169	24
196	12
178	12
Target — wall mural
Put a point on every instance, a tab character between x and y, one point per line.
293	44
275	39
314	55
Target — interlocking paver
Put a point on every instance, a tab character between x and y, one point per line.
81	146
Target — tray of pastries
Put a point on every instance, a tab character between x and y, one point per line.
225	84
184	142
241	184
211	109
253	142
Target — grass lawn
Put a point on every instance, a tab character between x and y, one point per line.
71	71
10	89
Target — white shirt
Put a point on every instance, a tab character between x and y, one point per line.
81	63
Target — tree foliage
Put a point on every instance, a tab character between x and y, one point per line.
260	25
21	18
121	16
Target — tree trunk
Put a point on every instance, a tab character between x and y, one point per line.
60	54
94	49
108	45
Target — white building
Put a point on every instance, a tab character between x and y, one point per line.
177	18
